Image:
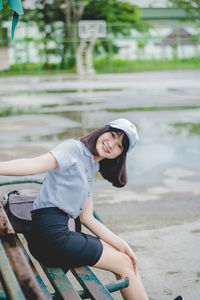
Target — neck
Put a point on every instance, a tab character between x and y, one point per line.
97	158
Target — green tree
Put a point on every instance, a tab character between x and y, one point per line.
72	13
55	20
5	15
192	7
45	16
121	18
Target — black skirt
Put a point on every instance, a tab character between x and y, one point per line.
52	243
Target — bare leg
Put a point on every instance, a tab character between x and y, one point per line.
121	265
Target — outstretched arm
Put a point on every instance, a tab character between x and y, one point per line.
100	230
29	166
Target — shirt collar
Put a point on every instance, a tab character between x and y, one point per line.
88	153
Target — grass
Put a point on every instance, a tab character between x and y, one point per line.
153	108
121	66
106	65
193	128
17	111
21	110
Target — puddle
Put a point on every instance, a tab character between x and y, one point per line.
19	129
63	91
178	180
167	157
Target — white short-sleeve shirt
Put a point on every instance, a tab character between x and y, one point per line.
68	186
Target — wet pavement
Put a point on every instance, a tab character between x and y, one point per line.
159	210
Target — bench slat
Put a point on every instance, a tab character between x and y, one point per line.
5	226
23	271
3	295
18	261
37	276
9	280
61	283
111	287
91	283
57	278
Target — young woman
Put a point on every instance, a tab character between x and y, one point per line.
66	192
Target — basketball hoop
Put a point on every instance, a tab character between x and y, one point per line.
88	32
92	29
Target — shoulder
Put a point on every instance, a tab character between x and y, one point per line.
66	153
68	144
70	147
74	145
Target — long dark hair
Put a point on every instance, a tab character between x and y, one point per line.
113	170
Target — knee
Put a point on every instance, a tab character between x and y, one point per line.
125	265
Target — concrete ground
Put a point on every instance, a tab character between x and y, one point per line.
158	213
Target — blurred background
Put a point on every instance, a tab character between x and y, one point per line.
163	34
145	67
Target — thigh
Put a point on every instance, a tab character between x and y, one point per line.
112	259
81	249
62	248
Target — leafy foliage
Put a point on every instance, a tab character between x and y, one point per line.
192	7
5	13
121	17
57	22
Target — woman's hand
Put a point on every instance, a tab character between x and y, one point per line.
100	230
132	256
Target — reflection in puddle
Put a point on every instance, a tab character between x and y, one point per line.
17	111
178	180
72	103
43	109
192	128
33	128
153	108
62	91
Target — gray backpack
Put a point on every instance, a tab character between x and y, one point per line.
18	206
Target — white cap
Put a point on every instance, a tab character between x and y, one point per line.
129	129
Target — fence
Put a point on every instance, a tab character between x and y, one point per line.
164	42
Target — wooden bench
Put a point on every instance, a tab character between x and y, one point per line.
20	278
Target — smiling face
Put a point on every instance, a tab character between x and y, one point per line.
109	145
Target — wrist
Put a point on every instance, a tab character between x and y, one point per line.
122	246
